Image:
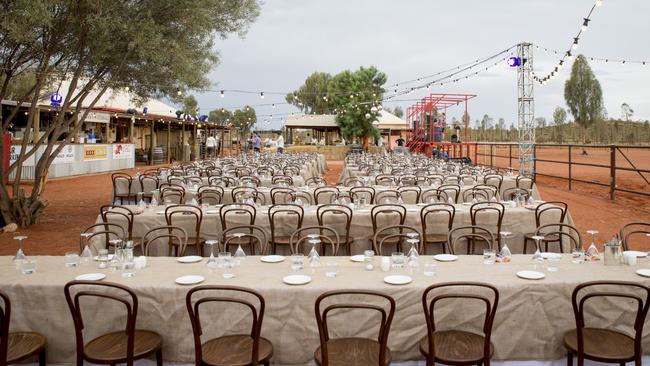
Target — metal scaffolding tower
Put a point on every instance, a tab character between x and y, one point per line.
526	114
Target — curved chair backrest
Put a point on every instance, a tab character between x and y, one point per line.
476	233
384	210
118	213
439	212
176	212
631	229
464	292
511	193
325	234
107	291
237	210
324	194
433	195
280	195
357	192
333	215
252	234
452	190
282	216
201	295
548	209
169	233
392	232
558	229
384	326
524	182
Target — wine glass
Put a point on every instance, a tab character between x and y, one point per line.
20	255
412	239
239	253
212	261
592	232
537	257
86	253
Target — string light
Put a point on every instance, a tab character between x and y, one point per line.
599	3
585	25
261	95
222	94
575	43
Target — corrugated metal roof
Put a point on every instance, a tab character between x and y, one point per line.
386	120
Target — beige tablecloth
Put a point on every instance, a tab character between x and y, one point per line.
517	220
530	322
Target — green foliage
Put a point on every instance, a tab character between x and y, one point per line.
583	95
190	105
244	119
311	97
220	116
559	116
155	47
354	93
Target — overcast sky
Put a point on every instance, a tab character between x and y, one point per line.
408	39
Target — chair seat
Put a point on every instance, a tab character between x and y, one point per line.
22	345
235	350
112	346
601	344
352	351
456	347
435	238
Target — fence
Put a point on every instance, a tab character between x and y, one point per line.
618	168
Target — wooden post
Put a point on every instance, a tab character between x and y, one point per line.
194	138
491	156
570	166
182	141
612	172
510	155
151	141
169	143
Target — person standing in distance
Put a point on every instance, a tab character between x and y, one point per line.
257	143
280	143
210	144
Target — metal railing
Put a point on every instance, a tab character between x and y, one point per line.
617	160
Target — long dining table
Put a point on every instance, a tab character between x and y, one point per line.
531	319
517	220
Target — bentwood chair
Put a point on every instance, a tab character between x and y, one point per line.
315	182
121	214
107	231
353	182
488	215
633	229
608	345
190	215
16	347
232	349
326	194
471	234
122	183
385	215
495	180
436	215
173	236
351	350
433	195
247	180
234	214
284	219
299	240
121	346
524	182
366	192
280	195
456	346
451	190
148	184
547	213
338	217
557	233
511	193
210	195
282	179
394	235
248	236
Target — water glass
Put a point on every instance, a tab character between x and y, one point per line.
385	264
28	266
430	269
71	259
489	256
397	260
331	269
578	256
297	262
553	264
222	257
228	267
369	259
102	258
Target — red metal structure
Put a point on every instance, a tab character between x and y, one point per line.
428	121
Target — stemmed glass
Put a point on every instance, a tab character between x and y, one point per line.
537	257
505	250
413	240
20	255
239	253
212	261
592	250
86	253
313	256
592	232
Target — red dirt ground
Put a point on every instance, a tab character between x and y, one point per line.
74	205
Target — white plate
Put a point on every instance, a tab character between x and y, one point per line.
531	275
643	272
549	255
296	279
213	212
90	277
190	259
636	253
445	257
96	258
358	258
468	203
272	258
189	280
398	279
421	204
160	212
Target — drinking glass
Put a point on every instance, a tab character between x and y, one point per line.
102	258
297	261
578	256
331	270
28	266
489	256
369	259
86	253
228	265
20	255
212	261
553	264
397	260
430	269
592	232
71	259
222	257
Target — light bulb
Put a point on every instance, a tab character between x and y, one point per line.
261	95
222	94
599	3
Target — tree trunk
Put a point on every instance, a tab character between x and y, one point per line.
366	140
